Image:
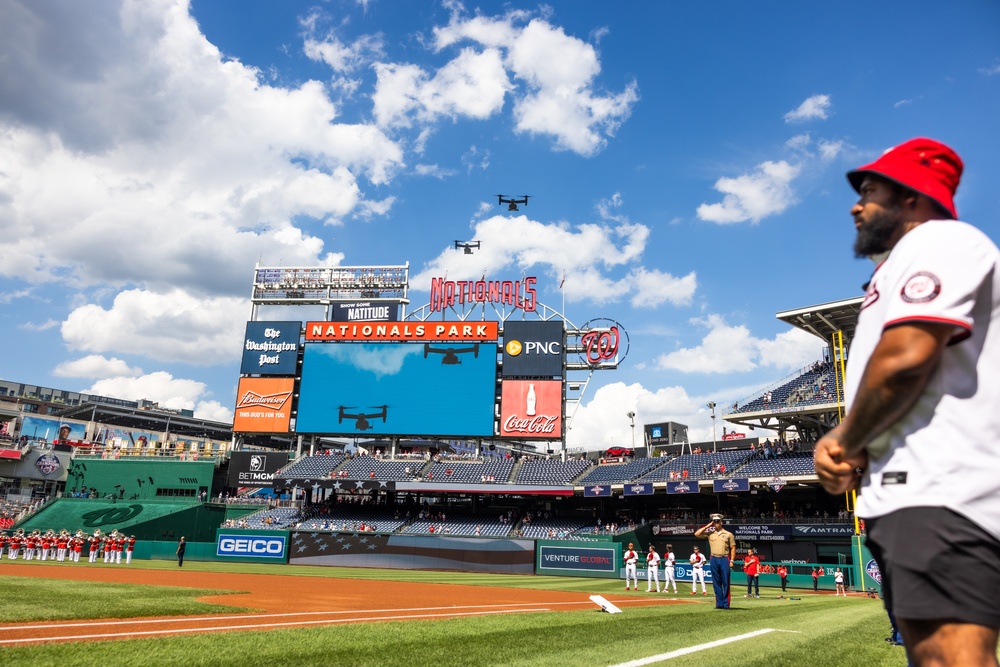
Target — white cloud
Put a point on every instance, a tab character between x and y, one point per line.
830	149
168	391
991	70
733	349
172	326
816	107
601	420
767	191
96	366
592	256
433	170
38	326
557	73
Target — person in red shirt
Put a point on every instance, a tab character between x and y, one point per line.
119	547
77	547
14	546
3	542
751	566
815	580
46	545
783	573
95	546
129	549
29	546
108	546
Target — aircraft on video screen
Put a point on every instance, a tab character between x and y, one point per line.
512	202
468	245
362	423
451	353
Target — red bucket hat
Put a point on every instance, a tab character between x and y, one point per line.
923	165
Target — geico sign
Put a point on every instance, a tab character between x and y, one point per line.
251	546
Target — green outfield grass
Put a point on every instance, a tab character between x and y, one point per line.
816	630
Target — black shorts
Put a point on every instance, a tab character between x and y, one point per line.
937	565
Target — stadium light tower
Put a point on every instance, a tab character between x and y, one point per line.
631	415
711	406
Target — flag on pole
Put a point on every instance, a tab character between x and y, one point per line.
563	281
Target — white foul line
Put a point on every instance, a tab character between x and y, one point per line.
693	649
29	640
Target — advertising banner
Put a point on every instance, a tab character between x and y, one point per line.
579	561
270	348
256	545
44	430
674	529
682	487
771	533
823	530
531	409
597	491
533	348
359	311
645	489
405	331
683	572
255	468
409	388
263	405
736	484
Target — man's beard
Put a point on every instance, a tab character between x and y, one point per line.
875	234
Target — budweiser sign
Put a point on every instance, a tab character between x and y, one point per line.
254	400
537	425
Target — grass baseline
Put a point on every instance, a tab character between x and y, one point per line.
834	631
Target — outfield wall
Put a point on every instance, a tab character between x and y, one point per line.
412	552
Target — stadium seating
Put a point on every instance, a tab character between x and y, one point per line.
815	385
462	525
471	471
558	529
363	467
348	518
699	466
280	517
787	465
620	473
552	472
311	467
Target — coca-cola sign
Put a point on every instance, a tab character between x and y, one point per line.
531	409
537	425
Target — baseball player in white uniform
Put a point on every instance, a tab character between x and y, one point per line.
652	569
698	571
668	568
922	389
631	558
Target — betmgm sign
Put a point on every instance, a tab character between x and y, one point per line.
251	544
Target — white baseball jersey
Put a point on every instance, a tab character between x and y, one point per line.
943	452
631	557
653	560
698	560
669	559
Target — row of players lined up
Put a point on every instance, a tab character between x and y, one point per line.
66	547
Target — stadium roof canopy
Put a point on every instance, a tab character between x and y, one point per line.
826	319
175	424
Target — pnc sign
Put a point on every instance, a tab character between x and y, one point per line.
533	348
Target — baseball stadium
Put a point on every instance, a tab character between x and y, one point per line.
396	489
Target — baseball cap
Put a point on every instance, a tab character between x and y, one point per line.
715	517
923	165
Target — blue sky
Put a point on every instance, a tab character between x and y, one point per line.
685	160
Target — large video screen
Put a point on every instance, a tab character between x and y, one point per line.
410	388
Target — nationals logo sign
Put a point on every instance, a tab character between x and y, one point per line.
605	342
47	464
873	571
